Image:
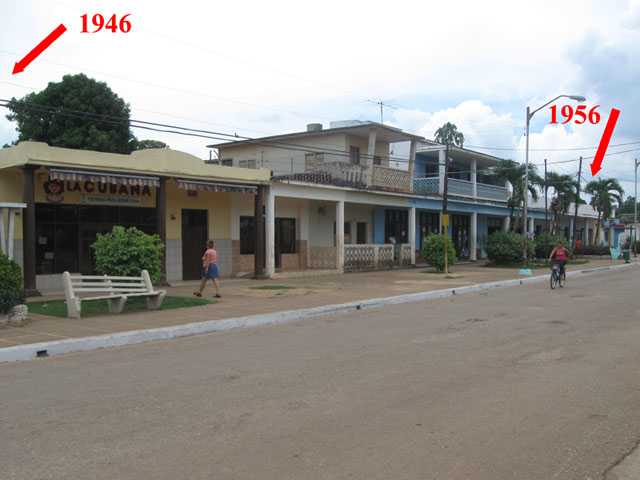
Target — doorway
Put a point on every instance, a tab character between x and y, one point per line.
195	227
460	227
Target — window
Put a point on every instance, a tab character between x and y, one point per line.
285	235
226	162
347	232
247	164
354	155
377	160
247	235
395	226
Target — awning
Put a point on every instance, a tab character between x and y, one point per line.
98	177
193	185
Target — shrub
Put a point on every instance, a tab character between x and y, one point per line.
507	247
126	252
433	251
545	242
11	292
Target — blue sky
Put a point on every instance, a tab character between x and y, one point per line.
266	67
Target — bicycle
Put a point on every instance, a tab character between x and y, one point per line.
557	278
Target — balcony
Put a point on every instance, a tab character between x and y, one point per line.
462	188
391	179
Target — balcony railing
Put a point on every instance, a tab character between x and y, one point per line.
359	258
463	188
386	178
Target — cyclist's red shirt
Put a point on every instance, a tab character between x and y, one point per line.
560	255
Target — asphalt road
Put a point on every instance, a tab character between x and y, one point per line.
515	384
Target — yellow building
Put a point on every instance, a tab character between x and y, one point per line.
53	202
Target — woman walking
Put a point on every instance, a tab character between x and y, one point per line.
209	269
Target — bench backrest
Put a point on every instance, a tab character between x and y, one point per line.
106	284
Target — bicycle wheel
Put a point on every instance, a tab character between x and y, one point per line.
562	279
553	280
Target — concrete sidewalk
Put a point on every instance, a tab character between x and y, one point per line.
241	298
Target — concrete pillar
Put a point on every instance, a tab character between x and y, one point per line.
412	163
473	237
270	233
29	232
3	238
412	234
161	225
371	151
259	214
353	225
506	224
571	230
340	236
531	227
441	164
474	177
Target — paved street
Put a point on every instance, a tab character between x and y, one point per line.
521	383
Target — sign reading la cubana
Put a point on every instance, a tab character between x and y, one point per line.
93	193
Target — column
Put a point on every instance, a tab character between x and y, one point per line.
441	164
258	212
506	226
340	236
474	177
412	234
412	163
270	233
161	226
371	151
29	232
354	231
473	237
571	230
11	230
531	228
3	238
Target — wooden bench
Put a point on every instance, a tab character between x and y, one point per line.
115	290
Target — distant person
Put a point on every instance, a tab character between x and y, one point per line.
209	269
559	255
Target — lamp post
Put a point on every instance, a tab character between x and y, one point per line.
525	193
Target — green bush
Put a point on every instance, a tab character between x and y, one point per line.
507	247
433	251
11	292
126	252
545	242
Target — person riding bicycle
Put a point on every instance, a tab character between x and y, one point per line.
559	256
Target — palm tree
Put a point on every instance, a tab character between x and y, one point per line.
606	194
448	134
513	172
565	190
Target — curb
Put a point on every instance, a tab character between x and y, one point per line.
60	347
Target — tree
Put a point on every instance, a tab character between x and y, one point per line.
54	116
565	189
448	134
513	172
606	194
145	144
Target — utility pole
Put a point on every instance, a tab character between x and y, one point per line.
577	201
445	215
546	208
635	207
525	191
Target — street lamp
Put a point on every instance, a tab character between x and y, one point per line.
525	193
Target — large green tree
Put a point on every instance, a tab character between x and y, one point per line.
606	194
513	172
564	191
448	134
147	144
77	112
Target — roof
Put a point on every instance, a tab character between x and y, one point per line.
457	152
161	162
384	133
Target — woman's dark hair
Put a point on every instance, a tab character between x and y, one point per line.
210	244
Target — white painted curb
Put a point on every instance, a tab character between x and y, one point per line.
59	347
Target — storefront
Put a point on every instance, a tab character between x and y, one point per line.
71	196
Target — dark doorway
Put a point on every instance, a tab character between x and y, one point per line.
361	235
460	227
429	224
396	224
194	241
285	238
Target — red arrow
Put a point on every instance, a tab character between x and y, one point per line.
38	49
596	166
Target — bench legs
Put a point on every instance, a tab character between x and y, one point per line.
116	305
154	302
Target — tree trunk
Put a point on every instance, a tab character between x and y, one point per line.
598	229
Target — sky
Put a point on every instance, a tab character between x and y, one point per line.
258	68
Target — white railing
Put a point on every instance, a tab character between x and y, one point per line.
364	257
493	192
391	179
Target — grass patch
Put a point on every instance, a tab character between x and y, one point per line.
95	308
272	287
534	265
